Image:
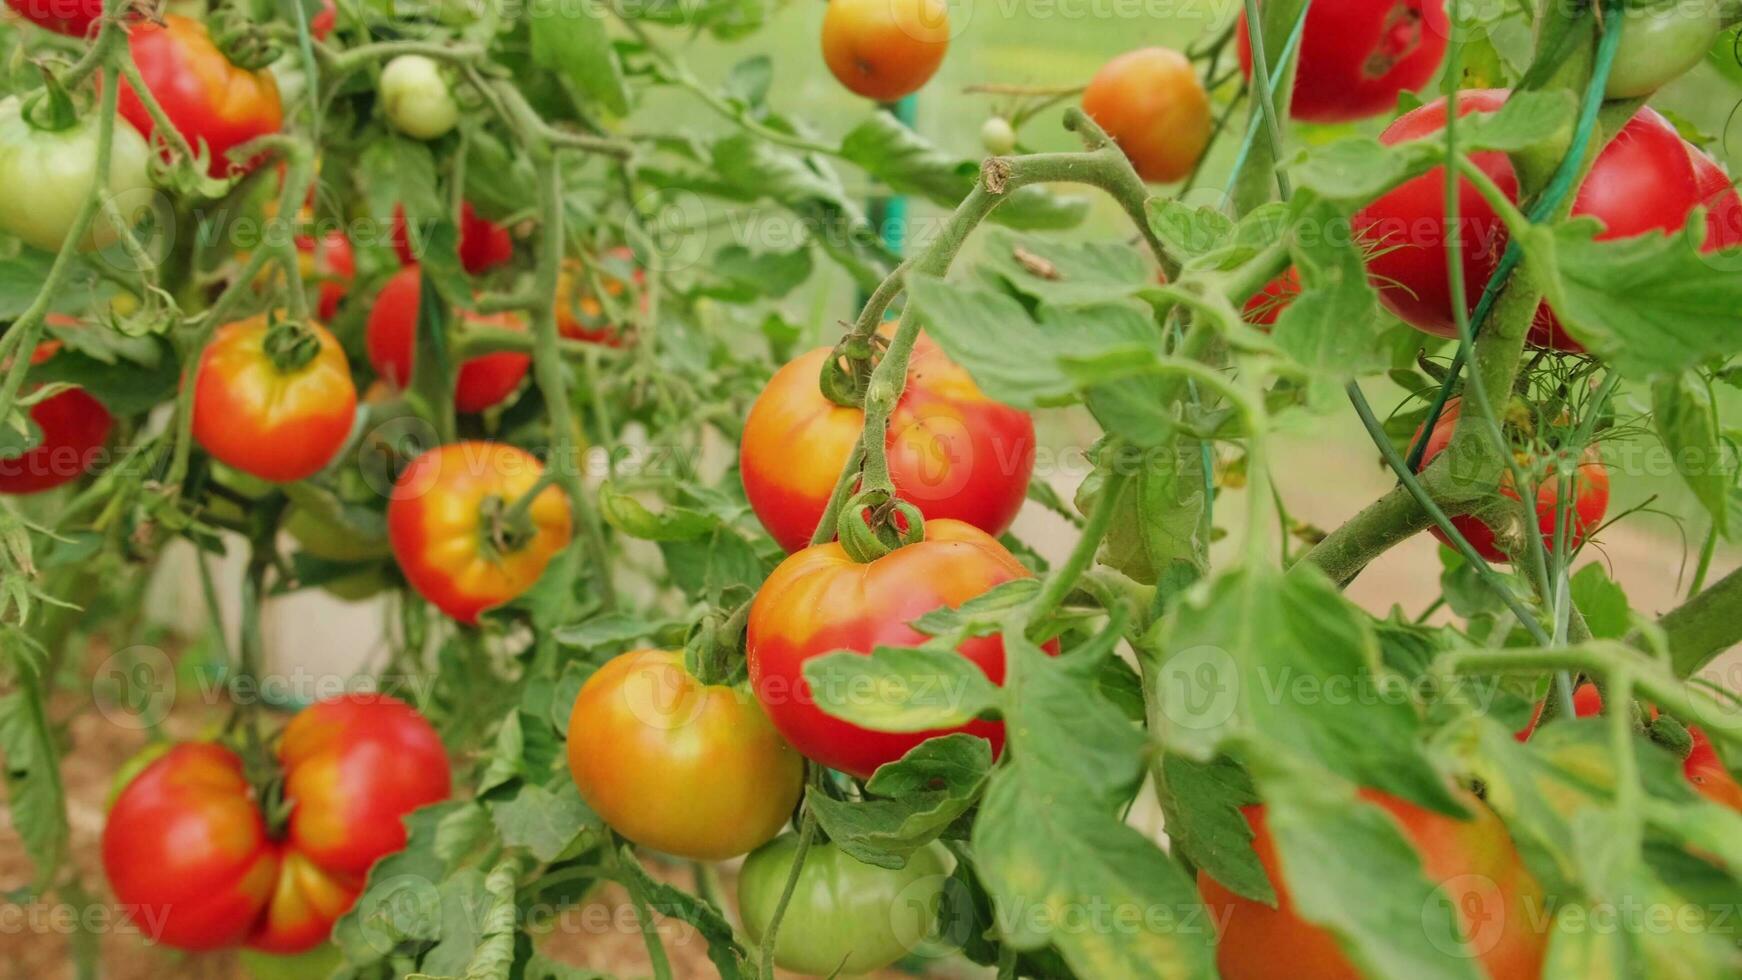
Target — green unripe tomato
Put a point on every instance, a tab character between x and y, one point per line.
1660	42
46	177
997	136
417	99
845	916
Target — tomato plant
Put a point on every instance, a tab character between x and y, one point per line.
952	451
456	535
273	399
481	383
1358	56
885	49
683	767
1589	483
845	916
189	844
1484	881
1154	105
52	171
971	544
215	104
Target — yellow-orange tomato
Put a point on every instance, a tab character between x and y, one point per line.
953	452
885	49
689	769
1153	104
1472	861
279	414
446	527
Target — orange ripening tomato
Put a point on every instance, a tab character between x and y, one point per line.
1153	104
820	601
885	49
579	314
481	382
443	525
952	451
1591	500
274	399
1473	862
685	768
74	428
209	100
187	848
1702	767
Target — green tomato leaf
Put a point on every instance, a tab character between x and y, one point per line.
544	821
901	689
1188	232
1332	328
910	801
1286	656
745	276
1160	532
1202	801
400	902
36	799
1066	273
1602	601
629	515
729	958
1687	422
1649	305
128	377
574	42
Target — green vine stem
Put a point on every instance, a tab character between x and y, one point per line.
1704	626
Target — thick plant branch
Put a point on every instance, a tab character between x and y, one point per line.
1704	626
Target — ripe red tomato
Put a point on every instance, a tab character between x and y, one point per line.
1702	767
321	25
272	403
1357	56
692	770
480	383
952	452
820	600
1590	503
579	314
70	17
209	100
187	846
885	49
333	264
74	428
1641	182
1153	104
483	245
442	522
1473	862
1268	303
1723	204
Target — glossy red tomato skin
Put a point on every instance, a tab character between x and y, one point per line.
1589	506
186	844
1405	231
1498	902
1641	182
74	428
186	850
205	96
70	17
356	764
1357	56
952	452
279	426
819	600
1723	204
321	25
435	526
333	263
482	382
483	244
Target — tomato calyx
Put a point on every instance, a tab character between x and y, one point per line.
507	526
242	42
876	522
50	110
291	345
846	372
